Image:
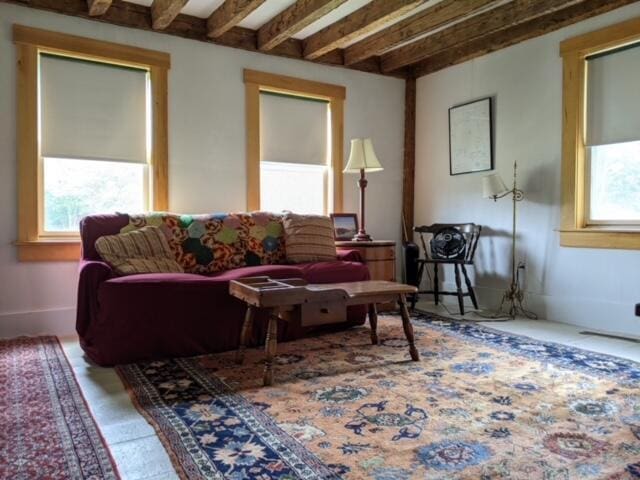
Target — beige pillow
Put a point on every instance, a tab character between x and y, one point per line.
308	238
140	251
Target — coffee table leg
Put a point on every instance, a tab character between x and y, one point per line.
373	323
245	333
408	329
270	347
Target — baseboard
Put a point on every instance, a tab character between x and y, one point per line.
58	321
593	314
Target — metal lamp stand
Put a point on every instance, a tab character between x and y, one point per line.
511	304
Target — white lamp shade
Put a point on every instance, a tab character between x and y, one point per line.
362	157
493	186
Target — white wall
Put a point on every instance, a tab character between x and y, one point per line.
590	287
206	146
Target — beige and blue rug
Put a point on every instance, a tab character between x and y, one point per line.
481	404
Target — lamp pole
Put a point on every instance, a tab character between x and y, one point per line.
511	303
362	235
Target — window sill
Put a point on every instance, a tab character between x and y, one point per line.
601	237
48	250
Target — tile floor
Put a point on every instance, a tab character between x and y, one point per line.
138	451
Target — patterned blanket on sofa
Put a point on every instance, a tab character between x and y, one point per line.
207	244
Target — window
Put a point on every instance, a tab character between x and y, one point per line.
613	137
295	153
601	138
91	136
294	144
94	120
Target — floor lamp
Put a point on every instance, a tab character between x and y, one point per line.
493	187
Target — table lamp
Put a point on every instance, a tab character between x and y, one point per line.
493	187
362	159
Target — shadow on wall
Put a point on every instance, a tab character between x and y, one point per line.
538	189
493	245
498	245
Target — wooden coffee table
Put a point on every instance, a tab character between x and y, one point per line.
316	304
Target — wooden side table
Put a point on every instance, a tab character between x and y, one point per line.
378	255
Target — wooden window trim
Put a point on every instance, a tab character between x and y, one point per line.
574	230
30	42
255	82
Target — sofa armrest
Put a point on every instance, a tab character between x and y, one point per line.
92	274
347	255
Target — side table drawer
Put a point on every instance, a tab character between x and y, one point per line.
382	269
379	253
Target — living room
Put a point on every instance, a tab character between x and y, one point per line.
240	356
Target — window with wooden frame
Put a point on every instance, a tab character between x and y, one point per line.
294	143
601	138
92	136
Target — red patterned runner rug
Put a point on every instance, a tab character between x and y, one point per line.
47	430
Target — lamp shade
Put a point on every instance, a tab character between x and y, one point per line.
493	186
362	157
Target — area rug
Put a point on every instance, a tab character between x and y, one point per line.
481	404
46	429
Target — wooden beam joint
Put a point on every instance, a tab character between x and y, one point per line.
98	7
163	12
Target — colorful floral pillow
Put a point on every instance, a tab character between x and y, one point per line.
215	243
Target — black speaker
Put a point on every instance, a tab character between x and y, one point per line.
411	255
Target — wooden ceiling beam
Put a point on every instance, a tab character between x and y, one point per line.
132	15
229	14
516	34
98	7
499	18
163	12
361	22
293	19
405	30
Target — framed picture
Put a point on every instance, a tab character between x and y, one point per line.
345	225
470	137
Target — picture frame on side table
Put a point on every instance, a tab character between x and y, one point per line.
471	137
345	225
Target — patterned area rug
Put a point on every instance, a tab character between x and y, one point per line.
480	404
46	428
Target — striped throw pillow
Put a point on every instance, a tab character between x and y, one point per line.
308	238
140	251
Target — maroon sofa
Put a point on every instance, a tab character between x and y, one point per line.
151	316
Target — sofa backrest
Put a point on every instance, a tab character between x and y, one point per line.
96	226
206	243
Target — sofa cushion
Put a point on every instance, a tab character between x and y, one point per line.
308	238
207	244
141	251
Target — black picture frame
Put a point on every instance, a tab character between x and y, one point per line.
345	225
482	131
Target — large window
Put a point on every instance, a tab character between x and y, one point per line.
294	144
92	136
94	130
601	138
294	153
